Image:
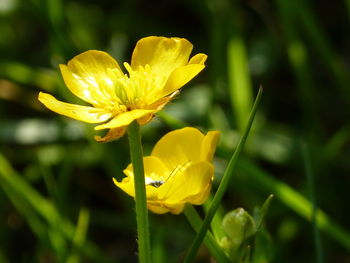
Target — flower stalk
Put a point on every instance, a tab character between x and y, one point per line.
136	154
195	221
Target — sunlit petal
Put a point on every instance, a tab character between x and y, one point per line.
179	147
162	54
128	186
154	169
92	75
180	76
78	112
209	145
124	119
198	59
184	186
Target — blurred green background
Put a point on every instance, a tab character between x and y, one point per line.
57	199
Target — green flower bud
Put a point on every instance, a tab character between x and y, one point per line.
238	226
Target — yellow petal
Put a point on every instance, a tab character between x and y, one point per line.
160	207
158	104
78	112
178	147
154	170
157	208
77	86
145	119
124	119
128	186
201	197
153	167
209	145
162	54
180	76
92	76
112	134
198	59
176	208
188	185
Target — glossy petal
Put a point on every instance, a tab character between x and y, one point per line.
188	185
124	119
179	147
128	186
91	76
209	145
201	197
153	168
158	104
198	59
162	54
78	112
180	76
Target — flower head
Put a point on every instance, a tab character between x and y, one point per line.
178	171
159	67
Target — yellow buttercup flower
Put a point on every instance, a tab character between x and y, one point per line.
178	171
159	67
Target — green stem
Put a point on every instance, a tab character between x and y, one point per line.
140	193
223	186
209	240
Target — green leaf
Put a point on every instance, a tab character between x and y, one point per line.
261	214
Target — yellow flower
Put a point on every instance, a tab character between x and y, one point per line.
179	171
159	67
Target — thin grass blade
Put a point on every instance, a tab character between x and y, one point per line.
223	185
295	201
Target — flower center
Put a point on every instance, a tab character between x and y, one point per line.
140	88
157	182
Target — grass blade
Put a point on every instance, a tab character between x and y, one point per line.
310	182
223	185
239	80
295	201
34	203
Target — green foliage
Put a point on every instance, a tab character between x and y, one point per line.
243	233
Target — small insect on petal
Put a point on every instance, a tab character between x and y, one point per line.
179	171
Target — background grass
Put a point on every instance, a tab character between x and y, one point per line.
57	199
